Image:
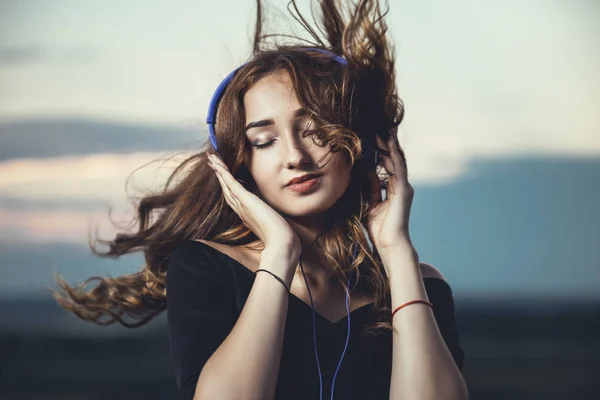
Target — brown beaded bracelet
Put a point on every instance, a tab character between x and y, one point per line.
275	276
409	303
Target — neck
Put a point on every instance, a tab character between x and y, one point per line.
314	263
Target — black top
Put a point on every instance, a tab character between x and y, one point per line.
206	292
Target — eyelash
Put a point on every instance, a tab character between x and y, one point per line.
264	145
268	144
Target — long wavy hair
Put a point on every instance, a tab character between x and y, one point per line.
345	104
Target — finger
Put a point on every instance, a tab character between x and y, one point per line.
229	198
397	159
375	188
388	164
235	187
227	194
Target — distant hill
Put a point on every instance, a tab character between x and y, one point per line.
62	137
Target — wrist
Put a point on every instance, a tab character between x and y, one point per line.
398	248
281	262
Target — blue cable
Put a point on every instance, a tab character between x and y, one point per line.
315	333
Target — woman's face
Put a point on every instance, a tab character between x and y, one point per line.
271	108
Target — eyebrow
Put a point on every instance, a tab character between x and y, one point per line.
266	122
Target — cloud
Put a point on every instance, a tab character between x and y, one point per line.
55	226
46	138
59	200
88	178
19	55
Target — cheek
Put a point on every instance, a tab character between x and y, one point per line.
340	166
265	177
340	173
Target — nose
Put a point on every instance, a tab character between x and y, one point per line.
296	151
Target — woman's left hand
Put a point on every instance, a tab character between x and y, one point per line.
387	223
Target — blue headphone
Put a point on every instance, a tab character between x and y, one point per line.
369	151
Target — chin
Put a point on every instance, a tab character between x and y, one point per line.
313	205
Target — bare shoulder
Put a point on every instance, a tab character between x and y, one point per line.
223	248
237	253
429	271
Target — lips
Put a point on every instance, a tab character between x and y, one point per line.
302	179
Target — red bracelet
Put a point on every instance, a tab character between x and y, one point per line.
409	303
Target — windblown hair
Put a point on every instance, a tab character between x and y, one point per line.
345	104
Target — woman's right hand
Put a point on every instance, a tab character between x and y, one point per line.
274	231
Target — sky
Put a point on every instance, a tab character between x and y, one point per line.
90	91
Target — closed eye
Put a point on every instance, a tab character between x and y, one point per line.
264	145
306	129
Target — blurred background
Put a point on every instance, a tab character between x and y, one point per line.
502	137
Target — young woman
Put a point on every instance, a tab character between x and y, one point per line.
284	272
